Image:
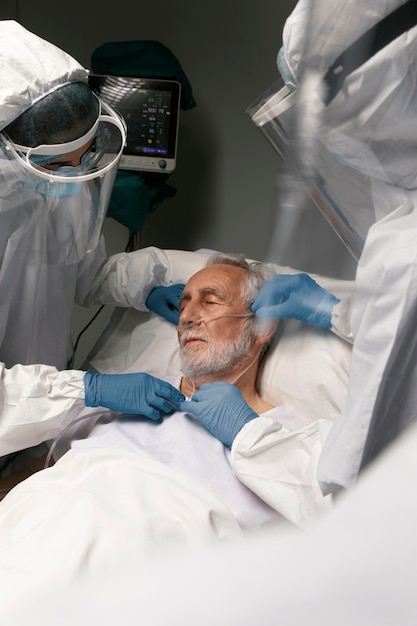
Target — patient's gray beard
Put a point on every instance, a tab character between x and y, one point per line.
218	358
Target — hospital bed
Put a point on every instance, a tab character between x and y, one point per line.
95	505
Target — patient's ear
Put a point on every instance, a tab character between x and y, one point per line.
265	330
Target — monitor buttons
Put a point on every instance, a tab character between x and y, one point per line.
162	164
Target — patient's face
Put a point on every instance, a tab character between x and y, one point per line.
214	343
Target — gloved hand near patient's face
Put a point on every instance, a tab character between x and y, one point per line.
164	301
295	296
140	394
221	409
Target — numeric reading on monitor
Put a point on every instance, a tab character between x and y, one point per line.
151	112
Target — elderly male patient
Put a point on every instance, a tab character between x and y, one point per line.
224	434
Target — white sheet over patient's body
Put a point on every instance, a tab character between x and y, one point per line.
181	442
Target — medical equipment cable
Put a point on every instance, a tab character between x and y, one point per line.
86	327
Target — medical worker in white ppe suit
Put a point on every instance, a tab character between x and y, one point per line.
353	66
59	151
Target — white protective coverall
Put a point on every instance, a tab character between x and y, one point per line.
51	254
361	139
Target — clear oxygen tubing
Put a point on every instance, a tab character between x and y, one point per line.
183	327
3	492
65	431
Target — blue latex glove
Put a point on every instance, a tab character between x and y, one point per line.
297	296
221	409
165	301
140	394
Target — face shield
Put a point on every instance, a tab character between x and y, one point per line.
59	192
343	118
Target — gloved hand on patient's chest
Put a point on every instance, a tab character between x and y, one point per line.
221	409
295	296
165	301
139	394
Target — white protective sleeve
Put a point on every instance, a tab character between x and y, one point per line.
279	463
382	393
127	278
36	403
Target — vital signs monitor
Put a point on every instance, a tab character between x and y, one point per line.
150	108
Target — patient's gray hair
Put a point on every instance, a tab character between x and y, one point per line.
256	273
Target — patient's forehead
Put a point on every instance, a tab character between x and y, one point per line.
224	278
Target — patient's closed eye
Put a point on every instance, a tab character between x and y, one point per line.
214	297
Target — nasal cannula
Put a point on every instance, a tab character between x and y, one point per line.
206	318
65	430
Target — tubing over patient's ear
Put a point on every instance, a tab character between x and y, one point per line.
265	326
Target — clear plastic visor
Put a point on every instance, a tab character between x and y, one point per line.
83	159
328	180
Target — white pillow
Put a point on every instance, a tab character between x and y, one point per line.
306	368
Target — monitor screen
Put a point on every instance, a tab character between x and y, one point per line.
150	108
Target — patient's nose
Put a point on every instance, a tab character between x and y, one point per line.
190	314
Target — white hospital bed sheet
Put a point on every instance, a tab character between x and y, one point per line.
94	506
